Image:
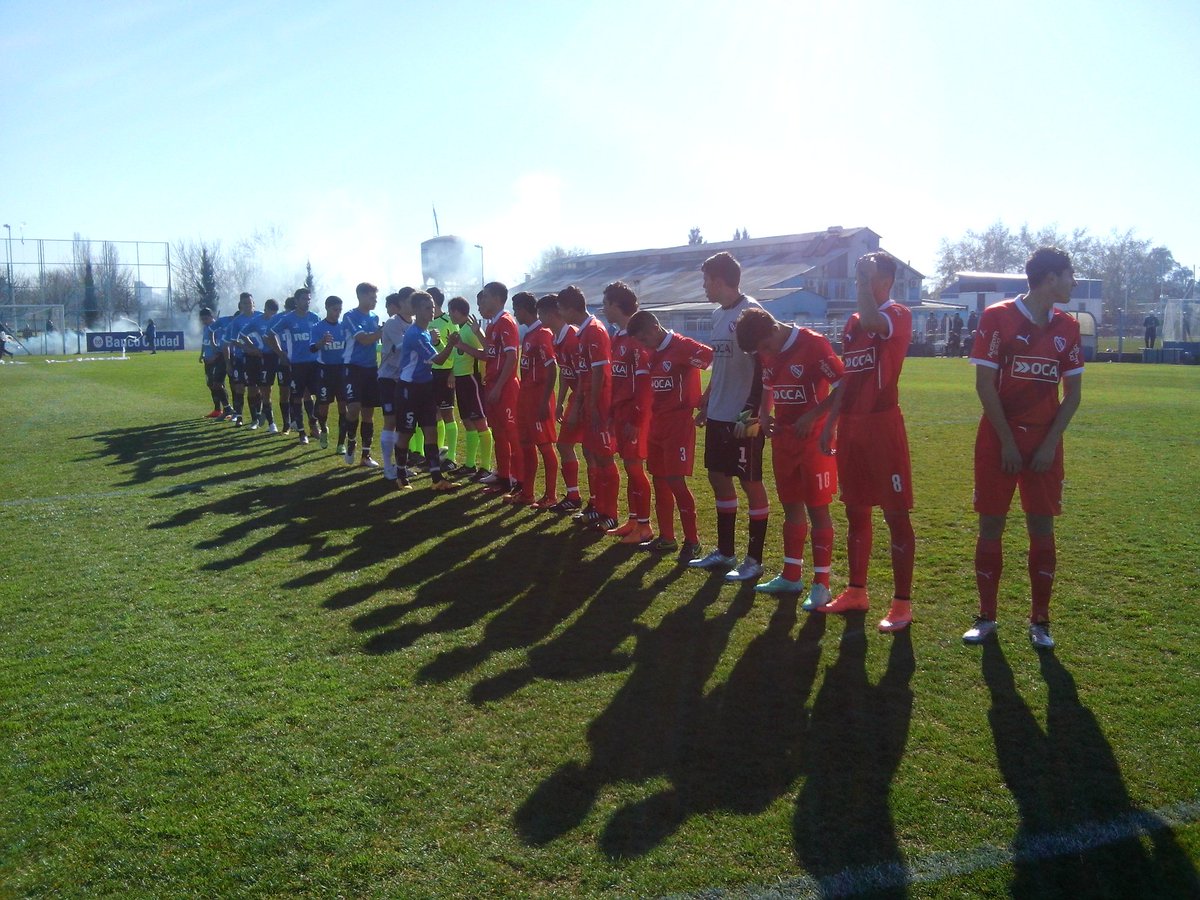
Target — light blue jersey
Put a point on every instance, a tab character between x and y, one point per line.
416	350
330	354
356	323
294	331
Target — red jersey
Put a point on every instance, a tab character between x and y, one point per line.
1029	361
872	362
501	336
628	364
799	377
595	352
537	356
566	349
675	368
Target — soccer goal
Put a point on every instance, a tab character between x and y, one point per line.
36	329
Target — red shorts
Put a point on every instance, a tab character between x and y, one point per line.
535	424
803	474
873	465
1041	492
671	445
503	413
630	447
570	432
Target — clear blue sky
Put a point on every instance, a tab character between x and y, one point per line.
608	126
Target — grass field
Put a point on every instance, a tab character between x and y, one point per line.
231	666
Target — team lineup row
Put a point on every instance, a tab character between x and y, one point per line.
537	384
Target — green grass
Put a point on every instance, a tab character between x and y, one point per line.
231	666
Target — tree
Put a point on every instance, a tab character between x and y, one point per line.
206	284
91	309
187	261
309	281
694	236
114	283
551	256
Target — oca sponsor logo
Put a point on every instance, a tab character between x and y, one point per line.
860	360
795	395
659	383
620	369
1035	368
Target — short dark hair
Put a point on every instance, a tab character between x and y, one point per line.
622	296
753	325
525	301
1045	261
885	263
723	267
289	303
365	288
205	311
497	289
405	292
418	297
459	305
305	291
640	321
572	298
436	293
392	300
549	301
272	305
332	300
244	295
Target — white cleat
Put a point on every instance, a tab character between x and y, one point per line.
750	569
1039	635
369	463
983	630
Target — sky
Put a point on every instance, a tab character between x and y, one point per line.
616	125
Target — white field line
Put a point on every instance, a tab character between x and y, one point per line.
937	866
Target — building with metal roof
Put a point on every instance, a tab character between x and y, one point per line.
805	278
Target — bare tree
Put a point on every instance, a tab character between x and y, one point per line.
188	260
552	255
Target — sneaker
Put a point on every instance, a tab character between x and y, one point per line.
272	428
303	439
256	424
287	429
750	569
237	420
689	551
341	450
640	535
898	618
715	560
449	465
215	414
849	600
325	440
391	473
348	458
982	630
586	513
227	414
624	528
659	545
602	523
403	485
780	585
518	499
544	502
1039	635
818	596
488	478
368	462
565	505
443	485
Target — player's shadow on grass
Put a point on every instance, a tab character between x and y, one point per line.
736	748
857	735
486	583
1067	786
172	449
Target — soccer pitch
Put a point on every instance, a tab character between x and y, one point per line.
233	666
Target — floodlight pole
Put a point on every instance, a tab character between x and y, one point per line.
482	280
8	271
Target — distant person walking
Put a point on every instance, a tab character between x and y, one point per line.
150	333
1150	323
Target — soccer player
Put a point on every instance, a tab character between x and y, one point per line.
1023	350
566	351
630	411
363	333
213	359
329	343
393	331
872	445
265	366
799	370
730	451
501	381
235	357
535	402
468	392
594	411
674	365
292	337
414	390
440	328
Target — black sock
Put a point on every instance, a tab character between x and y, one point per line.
367	430
435	461
726	522
758	537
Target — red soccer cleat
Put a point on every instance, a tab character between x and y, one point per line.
849	600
